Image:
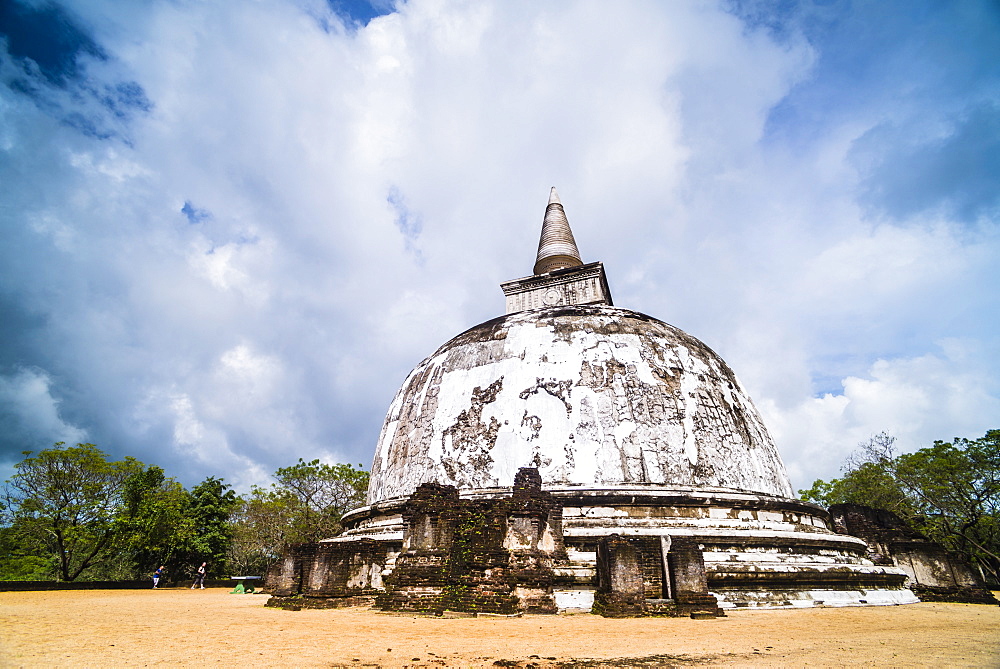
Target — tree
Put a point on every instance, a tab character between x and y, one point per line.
319	494
260	528
151	525
211	503
949	491
66	499
867	480
955	488
305	504
161	523
22	559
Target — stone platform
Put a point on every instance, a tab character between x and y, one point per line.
757	550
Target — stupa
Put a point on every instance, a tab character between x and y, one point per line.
649	470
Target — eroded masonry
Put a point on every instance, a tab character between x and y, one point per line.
576	456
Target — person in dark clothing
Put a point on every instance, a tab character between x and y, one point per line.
199	577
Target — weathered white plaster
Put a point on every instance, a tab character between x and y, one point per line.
574	600
591	396
767	599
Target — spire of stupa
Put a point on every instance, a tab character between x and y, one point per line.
556	248
560	278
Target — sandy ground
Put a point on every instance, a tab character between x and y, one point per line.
183	627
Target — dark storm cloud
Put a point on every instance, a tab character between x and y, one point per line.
48	39
20	330
49	54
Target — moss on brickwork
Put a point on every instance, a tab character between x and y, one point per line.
455	557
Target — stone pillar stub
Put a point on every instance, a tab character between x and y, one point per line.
526	481
620	587
429	517
665	542
687	568
689	580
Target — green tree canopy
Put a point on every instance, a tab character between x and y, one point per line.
22	559
950	491
209	532
260	527
319	494
161	523
69	512
305	503
67	500
150	523
867	480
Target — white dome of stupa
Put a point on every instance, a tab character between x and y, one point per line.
589	394
638	435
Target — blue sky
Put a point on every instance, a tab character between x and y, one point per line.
229	230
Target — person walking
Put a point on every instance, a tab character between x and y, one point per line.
199	577
156	576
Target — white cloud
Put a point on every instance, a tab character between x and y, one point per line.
917	400
29	409
703	159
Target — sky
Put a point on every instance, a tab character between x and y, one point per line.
228	230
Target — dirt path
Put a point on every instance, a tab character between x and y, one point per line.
181	627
